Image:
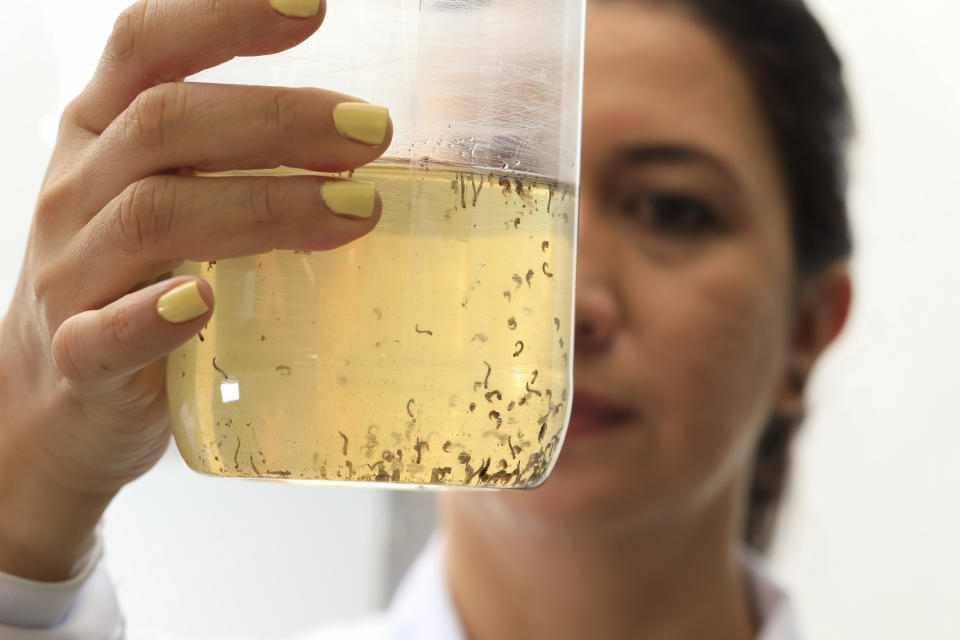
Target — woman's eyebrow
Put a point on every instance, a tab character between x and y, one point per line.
671	153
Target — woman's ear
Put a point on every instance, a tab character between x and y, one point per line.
820	314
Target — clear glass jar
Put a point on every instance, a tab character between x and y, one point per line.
435	350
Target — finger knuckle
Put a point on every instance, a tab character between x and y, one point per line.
220	10
56	197
71	116
153	114
69	352
127	31
267	201
65	360
283	112
143	215
43	284
49	298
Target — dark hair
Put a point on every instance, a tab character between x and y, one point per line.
798	78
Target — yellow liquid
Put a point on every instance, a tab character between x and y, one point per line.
435	350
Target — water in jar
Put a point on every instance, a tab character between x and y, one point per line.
435	350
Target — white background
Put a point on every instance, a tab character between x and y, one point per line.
869	544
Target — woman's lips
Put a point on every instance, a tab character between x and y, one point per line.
591	413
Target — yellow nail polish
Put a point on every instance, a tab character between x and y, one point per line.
296	8
361	121
182	303
350	198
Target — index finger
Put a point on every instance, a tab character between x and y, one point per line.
157	41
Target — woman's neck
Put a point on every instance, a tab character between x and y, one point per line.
663	580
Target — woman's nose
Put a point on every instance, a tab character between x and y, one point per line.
596	309
598	263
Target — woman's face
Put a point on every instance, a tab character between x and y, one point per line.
684	284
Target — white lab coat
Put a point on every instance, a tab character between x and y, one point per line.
85	608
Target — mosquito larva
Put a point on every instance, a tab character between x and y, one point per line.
438	474
222	372
482	471
419	446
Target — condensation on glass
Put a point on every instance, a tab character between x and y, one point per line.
437	349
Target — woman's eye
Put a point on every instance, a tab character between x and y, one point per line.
670	213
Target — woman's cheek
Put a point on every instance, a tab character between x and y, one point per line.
719	350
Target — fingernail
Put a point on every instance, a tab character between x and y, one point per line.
350	198
182	303
296	8
361	121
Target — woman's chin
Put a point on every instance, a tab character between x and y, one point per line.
593	482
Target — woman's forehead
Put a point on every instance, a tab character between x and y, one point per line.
655	74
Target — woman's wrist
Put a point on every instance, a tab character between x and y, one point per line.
45	527
44	533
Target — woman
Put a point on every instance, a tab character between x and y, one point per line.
711	277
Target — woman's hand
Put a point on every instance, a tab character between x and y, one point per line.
82	347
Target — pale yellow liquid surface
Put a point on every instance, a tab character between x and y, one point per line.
435	350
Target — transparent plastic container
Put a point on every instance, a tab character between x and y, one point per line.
437	349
